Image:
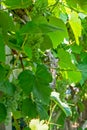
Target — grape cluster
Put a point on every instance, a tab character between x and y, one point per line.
34	43
11	102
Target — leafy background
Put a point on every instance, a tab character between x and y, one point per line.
43	63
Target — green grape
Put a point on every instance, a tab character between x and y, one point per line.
34	44
12	102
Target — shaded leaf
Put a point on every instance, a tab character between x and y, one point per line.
42	92
3	112
43	75
26	80
29	108
83	69
26	128
2	48
42	111
3	72
7	87
41	89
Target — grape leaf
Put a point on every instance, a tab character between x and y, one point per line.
3	72
7	87
26	79
43	75
41	89
42	92
57	36
17	4
6	22
64	106
2	48
29	108
42	111
83	5
69	70
46	44
75	24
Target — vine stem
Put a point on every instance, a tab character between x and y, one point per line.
54	124
17	58
52	112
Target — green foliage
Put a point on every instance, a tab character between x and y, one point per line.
57	40
43	61
41	88
3	112
7	88
6	22
26	79
29	108
75	24
3	72
2	48
18	4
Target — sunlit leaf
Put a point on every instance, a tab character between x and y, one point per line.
68	69
64	106
58	36
75	24
16	4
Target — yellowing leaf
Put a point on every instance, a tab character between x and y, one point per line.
51	2
75	24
